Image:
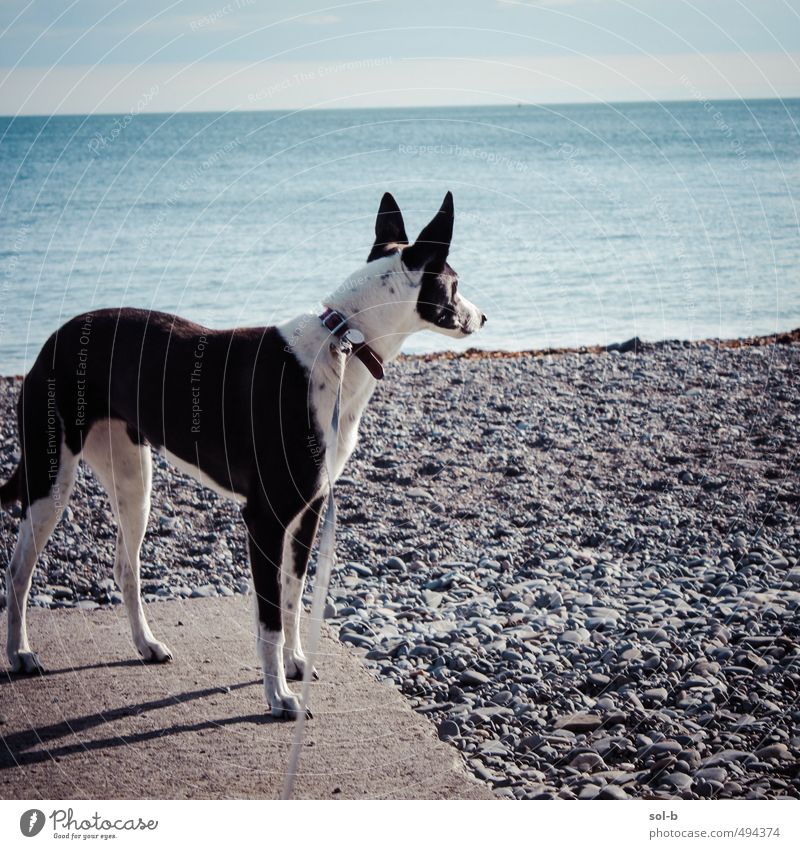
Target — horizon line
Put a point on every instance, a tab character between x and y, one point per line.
513	105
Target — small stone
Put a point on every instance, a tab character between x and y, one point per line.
493	748
472	678
574	637
728	756
589	791
678	780
615	717
168	524
598	623
655	694
486	713
612	791
555	601
712	773
428	652
511	656
432	599
419	494
587	762
667	747
579	722
776	751
43	600
358	640
448	730
483	773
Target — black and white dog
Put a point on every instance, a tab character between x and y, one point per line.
245	411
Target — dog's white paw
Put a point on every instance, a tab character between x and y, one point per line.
294	666
27	663
287	707
155	652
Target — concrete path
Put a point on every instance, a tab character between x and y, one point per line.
101	724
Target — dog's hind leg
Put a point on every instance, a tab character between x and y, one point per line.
40	517
124	467
296	552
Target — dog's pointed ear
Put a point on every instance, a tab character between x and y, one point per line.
433	243
389	228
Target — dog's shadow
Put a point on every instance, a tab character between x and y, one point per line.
23	748
9	677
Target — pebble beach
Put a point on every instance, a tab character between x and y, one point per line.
582	566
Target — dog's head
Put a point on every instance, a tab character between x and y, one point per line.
439	305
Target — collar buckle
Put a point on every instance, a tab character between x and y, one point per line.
337	324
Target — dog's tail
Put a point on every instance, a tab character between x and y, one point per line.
9	491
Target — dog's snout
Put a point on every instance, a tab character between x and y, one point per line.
483	319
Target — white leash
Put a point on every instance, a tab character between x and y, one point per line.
325	561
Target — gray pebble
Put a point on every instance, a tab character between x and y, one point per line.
472	678
448	730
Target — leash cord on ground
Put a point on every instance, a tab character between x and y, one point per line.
325	561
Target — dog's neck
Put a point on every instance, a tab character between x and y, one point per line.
379	301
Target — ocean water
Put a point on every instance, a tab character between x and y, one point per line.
575	225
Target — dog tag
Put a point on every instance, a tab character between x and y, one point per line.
353	336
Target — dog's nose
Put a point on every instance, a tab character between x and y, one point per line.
483	319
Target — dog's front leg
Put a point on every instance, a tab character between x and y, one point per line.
265	536
297	549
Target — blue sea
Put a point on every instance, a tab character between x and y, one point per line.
575	225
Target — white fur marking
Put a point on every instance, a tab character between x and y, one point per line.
40	519
125	471
294	661
282	701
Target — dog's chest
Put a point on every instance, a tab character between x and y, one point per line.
310	344
355	395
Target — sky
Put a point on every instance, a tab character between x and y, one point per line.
130	56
